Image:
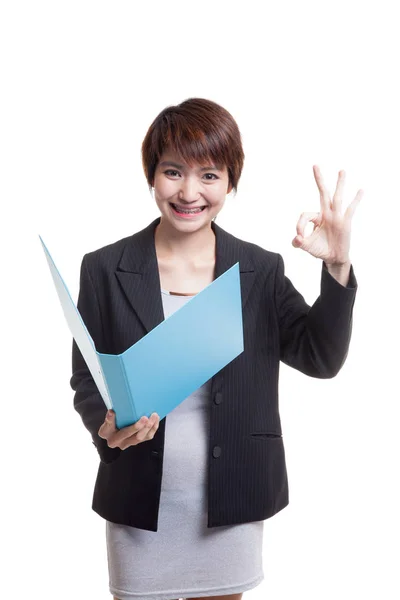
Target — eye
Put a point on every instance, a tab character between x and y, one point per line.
174	172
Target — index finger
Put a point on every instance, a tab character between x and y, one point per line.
125	432
134	428
323	192
119	435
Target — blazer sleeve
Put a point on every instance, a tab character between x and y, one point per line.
315	340
88	401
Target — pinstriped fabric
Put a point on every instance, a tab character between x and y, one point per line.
120	301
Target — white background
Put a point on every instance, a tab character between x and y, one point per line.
308	83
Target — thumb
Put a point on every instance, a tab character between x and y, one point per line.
108	426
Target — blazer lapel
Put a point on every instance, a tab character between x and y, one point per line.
138	275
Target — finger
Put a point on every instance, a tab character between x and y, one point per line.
337	196
108	427
153	430
353	205
135	427
118	438
143	433
127	436
137	438
323	192
304	219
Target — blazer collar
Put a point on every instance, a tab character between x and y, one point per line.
137	270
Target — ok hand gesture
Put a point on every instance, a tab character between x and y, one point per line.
330	239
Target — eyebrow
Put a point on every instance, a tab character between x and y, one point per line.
166	163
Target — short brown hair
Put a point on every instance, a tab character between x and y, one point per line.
197	130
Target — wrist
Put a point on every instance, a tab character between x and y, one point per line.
340	271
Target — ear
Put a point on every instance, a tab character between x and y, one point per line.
230	187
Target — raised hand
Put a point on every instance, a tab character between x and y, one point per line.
330	239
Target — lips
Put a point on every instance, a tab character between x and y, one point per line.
187	207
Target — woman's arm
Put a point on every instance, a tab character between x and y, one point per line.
87	399
315	340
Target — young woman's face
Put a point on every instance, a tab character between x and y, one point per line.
178	186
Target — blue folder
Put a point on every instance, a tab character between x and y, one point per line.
171	361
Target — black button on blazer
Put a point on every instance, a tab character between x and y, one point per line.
120	302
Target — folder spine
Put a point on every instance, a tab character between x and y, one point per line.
119	389
108	399
129	392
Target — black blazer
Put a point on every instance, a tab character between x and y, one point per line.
120	301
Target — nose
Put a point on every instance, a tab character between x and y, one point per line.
189	190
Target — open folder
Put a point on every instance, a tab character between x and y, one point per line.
171	361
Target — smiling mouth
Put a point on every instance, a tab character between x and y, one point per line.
188	211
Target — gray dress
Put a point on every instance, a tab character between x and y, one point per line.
184	558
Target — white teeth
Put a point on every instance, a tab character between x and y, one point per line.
188	211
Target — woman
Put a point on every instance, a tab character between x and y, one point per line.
219	454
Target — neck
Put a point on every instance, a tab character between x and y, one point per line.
174	244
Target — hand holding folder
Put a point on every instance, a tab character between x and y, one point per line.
131	435
200	338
